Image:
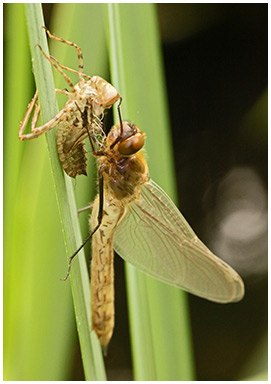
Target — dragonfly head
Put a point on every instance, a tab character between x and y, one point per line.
130	141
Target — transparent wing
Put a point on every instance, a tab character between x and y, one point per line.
155	237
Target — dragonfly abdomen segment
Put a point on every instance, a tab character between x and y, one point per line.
102	293
102	270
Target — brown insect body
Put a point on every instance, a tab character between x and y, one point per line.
131	214
124	174
123	177
87	103
81	116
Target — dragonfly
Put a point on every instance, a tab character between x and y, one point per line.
132	215
80	118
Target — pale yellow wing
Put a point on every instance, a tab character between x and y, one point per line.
155	237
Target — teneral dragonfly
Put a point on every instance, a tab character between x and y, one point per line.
81	116
134	216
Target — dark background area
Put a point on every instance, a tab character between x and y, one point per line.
215	58
214	77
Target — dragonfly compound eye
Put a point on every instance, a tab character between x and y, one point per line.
131	145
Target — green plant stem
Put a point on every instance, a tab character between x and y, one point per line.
159	319
91	352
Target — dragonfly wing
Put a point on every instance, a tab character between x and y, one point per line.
155	237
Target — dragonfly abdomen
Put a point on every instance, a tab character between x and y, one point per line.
102	270
102	292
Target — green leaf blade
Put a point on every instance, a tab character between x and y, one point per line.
91	352
161	344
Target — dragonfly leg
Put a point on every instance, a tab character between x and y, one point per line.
63	92
69	69
51	123
37	131
120	118
84	209
35	116
67	79
121	127
100	217
26	118
78	49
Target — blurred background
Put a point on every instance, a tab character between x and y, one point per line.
216	69
215	58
